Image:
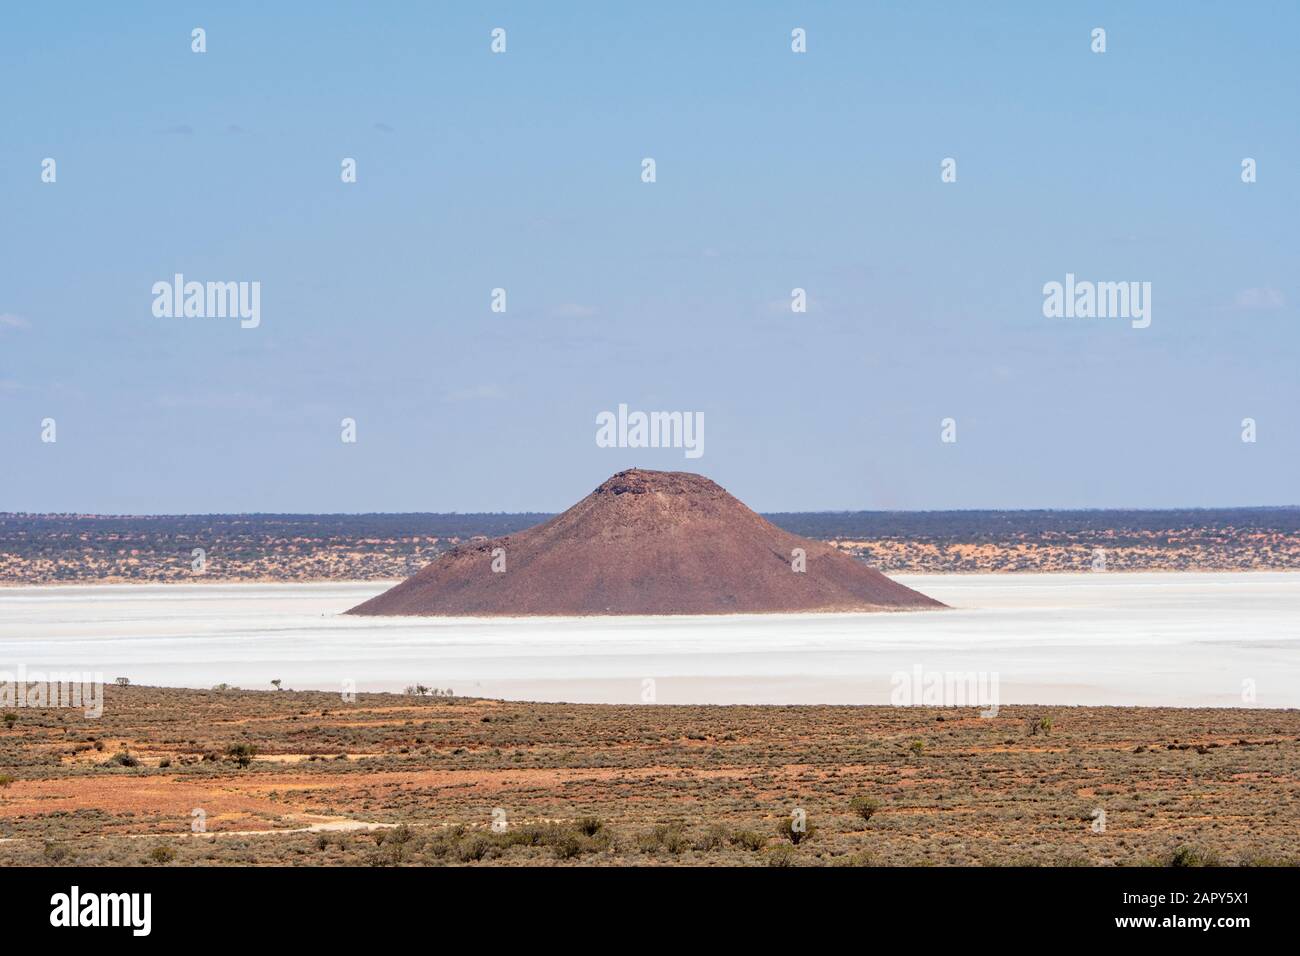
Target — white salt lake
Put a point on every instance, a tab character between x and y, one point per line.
1152	639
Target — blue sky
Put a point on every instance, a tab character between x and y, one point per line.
522	170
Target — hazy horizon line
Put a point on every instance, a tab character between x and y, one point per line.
550	514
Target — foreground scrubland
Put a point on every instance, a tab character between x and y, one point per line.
174	777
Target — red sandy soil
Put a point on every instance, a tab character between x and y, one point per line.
646	542
401	780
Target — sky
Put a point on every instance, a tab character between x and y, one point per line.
522	170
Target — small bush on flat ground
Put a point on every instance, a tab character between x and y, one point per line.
670	837
780	856
1193	856
864	806
795	834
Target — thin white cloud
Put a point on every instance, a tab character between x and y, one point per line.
1260	299
226	401
10	321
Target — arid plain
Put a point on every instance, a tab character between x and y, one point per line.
223	776
174	777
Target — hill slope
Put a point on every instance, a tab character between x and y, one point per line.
645	542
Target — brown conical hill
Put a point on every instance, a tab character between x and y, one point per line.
646	542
